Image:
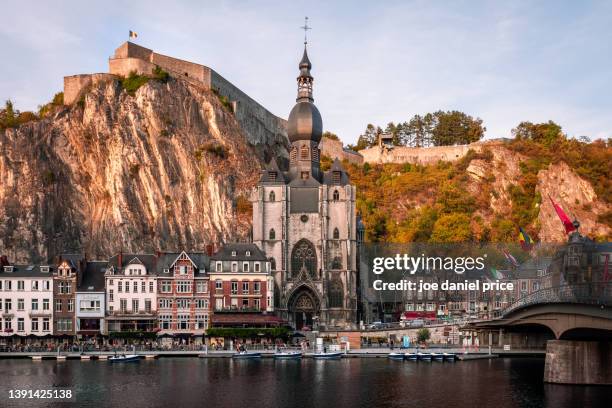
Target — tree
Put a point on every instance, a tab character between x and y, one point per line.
452	228
454	127
542	133
423	335
418	130
8	115
369	138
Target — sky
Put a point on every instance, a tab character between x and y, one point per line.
373	61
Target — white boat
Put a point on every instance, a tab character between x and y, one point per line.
437	356
411	356
449	356
124	358
333	355
424	356
245	355
395	356
288	355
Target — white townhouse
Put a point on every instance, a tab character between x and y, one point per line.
131	293
91	300
26	296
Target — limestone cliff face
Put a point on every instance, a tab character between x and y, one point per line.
558	181
161	169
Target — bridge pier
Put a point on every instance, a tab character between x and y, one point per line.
578	362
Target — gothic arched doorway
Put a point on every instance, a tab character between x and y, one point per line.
303	307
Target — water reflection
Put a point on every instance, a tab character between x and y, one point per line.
267	383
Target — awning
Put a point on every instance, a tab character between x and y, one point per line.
246	318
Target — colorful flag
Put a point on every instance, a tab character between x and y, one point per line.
567	223
525	240
133	34
510	258
496	274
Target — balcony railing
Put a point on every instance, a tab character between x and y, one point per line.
596	293
237	310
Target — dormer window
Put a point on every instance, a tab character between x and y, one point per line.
44	269
166	270
272	177
305	175
219	266
304	153
8	269
248	253
233	253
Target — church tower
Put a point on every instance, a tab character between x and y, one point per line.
304	219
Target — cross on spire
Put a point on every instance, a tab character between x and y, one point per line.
305	27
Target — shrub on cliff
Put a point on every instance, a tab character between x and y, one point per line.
11	117
133	82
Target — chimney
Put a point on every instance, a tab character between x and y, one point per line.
120	259
4	260
210	248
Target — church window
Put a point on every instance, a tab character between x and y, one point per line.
304	153
336	294
272	196
304	255
272	234
336	233
272	175
336	263
305	175
336	195
293	154
315	155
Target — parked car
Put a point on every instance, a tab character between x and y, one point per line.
417	323
376	325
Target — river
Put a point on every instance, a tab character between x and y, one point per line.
367	382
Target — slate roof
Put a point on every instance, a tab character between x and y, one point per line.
225	253
148	260
166	259
93	277
26	271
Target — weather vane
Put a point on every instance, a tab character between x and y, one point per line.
305	27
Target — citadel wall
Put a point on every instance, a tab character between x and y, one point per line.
334	148
418	155
260	125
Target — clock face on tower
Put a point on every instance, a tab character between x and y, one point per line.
304	218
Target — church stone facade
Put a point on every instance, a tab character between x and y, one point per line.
305	221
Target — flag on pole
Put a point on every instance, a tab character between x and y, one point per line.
525	240
567	223
496	274
510	258
133	34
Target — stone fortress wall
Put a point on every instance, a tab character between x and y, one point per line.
335	149
419	155
260	125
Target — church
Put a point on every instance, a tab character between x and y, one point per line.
304	219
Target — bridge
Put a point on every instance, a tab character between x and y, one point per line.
574	322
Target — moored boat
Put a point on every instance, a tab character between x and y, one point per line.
449	356
437	356
396	356
424	356
245	355
124	358
411	356
334	355
288	355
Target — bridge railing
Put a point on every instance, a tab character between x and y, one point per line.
594	293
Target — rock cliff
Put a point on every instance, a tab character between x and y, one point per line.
163	168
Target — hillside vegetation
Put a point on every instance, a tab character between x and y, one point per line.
487	195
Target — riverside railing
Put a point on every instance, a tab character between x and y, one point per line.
594	293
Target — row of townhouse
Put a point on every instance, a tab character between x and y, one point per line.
165	293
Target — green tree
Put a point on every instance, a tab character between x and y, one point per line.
543	133
8	115
369	138
423	335
454	127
